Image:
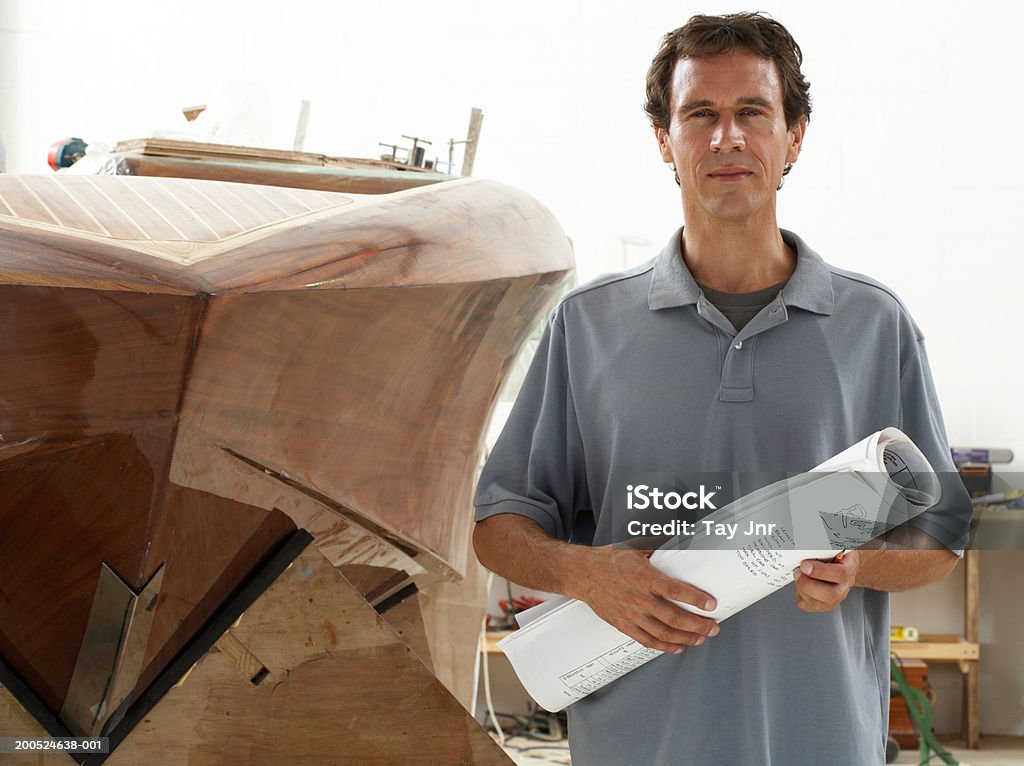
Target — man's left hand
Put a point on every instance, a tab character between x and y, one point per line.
822	585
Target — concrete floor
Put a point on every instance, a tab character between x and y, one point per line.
530	752
994	751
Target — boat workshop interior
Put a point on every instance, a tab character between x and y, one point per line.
271	280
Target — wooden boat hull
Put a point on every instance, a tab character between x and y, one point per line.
194	369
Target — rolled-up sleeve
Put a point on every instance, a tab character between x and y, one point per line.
536	468
948	521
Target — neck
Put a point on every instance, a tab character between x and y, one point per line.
737	258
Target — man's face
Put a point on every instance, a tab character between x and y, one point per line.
728	136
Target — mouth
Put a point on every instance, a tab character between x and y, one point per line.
730	174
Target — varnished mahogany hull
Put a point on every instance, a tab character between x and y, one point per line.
185	384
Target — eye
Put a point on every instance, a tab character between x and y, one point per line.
700	113
751	111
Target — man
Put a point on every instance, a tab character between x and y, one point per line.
737	350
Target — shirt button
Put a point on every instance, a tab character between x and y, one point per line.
774	311
739	345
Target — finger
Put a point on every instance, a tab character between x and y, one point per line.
675	590
824	595
810	605
828	572
820	590
668	632
662	632
678	619
809	601
814	605
652	642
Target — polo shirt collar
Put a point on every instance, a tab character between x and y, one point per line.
810	286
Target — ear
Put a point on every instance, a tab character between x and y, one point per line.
796	139
661	134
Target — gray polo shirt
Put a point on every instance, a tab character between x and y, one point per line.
639	372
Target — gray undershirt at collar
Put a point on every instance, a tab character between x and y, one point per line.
740	308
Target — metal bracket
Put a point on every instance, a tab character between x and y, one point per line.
113	649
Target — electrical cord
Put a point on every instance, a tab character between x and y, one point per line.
482	651
542	727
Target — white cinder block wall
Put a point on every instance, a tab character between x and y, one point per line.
911	170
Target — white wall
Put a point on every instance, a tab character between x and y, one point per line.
911	171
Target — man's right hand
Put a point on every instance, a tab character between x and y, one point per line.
621	586
628	592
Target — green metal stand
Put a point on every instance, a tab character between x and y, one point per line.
921	714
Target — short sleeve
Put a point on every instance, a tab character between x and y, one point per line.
536	468
948	521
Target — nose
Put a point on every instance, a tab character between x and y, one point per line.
728	135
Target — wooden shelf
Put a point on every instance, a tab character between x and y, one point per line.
937	648
964	650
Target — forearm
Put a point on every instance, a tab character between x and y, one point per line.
904	559
895	570
516	548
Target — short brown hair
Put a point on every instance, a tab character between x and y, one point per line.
712	35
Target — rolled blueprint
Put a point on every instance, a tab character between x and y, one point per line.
563	651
